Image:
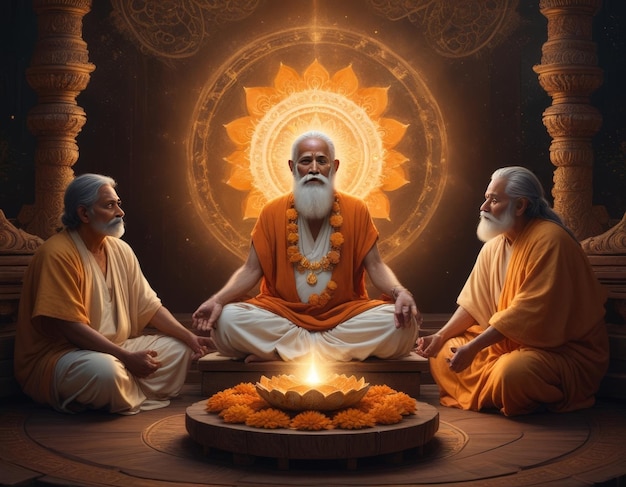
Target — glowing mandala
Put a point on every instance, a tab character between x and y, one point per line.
351	116
376	107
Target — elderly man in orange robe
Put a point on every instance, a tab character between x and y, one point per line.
311	249
529	330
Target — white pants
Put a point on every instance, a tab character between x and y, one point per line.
244	329
92	380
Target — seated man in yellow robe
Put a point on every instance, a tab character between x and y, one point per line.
529	330
85	303
311	249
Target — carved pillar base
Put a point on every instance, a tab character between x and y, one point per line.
607	254
16	250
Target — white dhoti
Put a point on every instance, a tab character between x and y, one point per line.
93	380
244	329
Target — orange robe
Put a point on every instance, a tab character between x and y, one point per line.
551	312
278	292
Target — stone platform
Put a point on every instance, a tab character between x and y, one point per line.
218	372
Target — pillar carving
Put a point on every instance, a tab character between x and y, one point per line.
607	254
59	71
16	250
569	74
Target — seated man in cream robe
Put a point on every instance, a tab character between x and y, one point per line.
529	330
84	305
311	249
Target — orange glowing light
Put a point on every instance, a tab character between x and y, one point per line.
352	116
313	376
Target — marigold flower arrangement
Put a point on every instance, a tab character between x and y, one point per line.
385	413
311	421
380	390
326	263
225	399
353	419
243	405
269	418
237	413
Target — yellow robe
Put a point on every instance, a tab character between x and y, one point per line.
551	311
58	285
278	292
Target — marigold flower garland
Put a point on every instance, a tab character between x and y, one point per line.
326	263
242	405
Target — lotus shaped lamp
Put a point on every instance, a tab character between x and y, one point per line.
290	393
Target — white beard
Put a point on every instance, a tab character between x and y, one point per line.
113	228
490	227
313	201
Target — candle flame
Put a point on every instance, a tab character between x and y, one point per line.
313	376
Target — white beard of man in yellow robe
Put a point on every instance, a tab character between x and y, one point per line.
112	228
491	226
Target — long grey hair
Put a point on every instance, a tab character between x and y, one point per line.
522	183
82	191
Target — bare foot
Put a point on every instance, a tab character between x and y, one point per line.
256	358
253	358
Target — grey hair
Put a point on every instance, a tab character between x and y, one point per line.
522	183
82	191
313	134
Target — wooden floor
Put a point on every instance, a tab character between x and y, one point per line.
41	447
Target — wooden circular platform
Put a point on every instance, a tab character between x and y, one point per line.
246	442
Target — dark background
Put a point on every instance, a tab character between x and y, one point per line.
138	109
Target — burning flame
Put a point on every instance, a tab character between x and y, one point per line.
313	377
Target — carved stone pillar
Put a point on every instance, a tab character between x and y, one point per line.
59	71
569	74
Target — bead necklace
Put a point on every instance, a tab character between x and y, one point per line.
326	263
